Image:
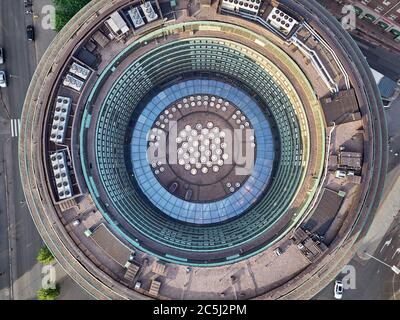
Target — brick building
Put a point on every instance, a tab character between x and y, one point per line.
378	21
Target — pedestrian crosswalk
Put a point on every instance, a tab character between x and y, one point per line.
15	127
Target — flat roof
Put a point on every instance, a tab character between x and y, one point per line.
341	108
325	212
106	240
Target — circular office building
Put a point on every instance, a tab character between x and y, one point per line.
221	149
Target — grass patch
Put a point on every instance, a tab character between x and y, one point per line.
66	9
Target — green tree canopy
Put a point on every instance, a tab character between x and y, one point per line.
49	294
45	256
66	9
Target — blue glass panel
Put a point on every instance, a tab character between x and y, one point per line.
220	210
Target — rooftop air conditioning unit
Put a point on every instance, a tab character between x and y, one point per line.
60	119
149	12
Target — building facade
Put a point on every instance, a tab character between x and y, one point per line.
378	21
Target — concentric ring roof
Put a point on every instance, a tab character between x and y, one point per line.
215	56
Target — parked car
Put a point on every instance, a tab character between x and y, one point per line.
2	59
3	79
30	33
338	290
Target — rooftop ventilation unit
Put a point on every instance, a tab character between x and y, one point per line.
60	171
281	21
149	12
247	6
79	71
73	82
136	18
60	119
117	24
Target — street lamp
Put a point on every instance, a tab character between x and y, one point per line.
395	269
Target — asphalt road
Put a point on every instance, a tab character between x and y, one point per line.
20	275
373	280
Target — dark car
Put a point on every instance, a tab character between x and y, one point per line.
30	33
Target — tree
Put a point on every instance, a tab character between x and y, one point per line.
49	293
45	256
66	9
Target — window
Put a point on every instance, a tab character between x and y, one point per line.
369	17
383	25
395	32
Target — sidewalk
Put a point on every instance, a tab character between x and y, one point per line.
43	36
69	289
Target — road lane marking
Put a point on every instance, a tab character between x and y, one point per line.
12	128
386	244
396	252
15	127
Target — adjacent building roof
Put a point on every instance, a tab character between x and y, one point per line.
106	240
341	108
325	211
